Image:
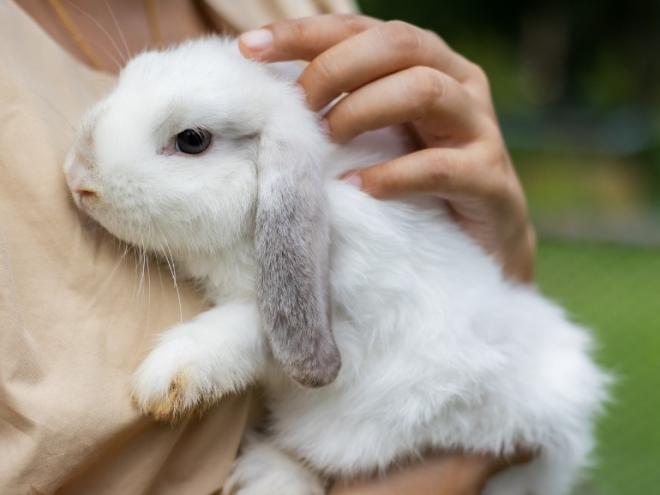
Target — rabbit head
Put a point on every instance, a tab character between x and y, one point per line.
197	148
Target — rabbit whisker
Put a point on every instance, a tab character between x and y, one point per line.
107	280
172	269
147	264
105	33
122	37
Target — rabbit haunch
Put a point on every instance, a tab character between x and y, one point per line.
438	350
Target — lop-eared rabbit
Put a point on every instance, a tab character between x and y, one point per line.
378	329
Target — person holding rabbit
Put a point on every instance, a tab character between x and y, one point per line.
394	73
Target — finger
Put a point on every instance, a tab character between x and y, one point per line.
374	53
405	96
437	171
302	39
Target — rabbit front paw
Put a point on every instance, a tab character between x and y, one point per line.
262	469
171	383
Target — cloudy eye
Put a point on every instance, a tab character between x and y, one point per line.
193	141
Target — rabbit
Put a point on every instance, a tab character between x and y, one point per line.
378	329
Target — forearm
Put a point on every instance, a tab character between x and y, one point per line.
438	475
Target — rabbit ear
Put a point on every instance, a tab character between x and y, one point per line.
292	243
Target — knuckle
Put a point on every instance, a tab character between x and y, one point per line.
354	24
484	132
488	189
440	176
290	31
402	36
429	84
502	193
496	158
478	74
321	70
443	174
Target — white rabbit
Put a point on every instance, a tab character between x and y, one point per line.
216	160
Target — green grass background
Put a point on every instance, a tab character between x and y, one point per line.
615	290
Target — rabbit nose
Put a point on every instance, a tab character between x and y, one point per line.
80	182
85	194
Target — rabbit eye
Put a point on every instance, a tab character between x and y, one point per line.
193	141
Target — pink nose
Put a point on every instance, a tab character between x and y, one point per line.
85	193
80	180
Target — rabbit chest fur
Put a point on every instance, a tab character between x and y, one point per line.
438	350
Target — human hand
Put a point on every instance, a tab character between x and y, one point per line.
396	73
448	474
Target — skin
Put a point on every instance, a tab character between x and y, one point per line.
394	73
440	474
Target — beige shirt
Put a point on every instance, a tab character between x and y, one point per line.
75	320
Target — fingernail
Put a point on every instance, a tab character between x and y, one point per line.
353	179
257	40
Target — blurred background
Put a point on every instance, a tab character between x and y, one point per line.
577	88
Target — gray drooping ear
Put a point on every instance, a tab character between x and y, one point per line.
292	242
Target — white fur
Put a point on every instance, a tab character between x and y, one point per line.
263	468
438	349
